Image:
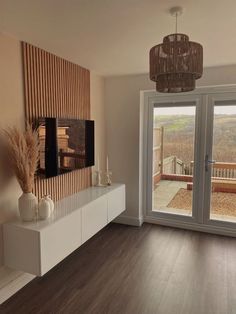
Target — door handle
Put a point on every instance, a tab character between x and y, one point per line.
211	161
208	162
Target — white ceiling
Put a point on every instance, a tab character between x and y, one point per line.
113	37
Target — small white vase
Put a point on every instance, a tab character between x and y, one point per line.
44	209
28	204
48	198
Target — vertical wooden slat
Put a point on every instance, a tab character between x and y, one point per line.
29	82
25	73
54	87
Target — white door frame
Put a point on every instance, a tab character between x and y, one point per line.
199	221
172	101
214	100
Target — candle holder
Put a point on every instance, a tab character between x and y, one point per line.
108	177
99	178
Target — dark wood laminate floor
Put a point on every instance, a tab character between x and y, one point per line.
133	270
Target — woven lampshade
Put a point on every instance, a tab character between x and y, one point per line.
176	64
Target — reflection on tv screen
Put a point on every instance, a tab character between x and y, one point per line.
65	145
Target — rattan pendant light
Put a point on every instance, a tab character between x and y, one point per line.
177	63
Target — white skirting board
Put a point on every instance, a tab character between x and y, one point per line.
129	220
12	281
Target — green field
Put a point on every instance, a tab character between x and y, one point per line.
179	136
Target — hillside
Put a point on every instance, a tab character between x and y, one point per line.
179	136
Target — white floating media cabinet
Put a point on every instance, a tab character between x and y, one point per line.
36	247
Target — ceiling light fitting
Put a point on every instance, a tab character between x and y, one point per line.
177	63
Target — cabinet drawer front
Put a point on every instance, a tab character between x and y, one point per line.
61	239
116	203
21	249
94	218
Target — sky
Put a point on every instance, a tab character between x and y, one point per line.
191	110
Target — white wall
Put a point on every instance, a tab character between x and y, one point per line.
122	99
97	97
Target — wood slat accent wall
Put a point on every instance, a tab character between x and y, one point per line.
55	87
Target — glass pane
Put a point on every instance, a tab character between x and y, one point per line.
173	158
223	181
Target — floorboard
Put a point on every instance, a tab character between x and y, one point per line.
131	270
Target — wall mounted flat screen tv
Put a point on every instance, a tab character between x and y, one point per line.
65	145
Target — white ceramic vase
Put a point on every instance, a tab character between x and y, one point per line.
48	198
44	208
28	204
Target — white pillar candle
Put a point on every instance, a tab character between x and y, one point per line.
107	164
98	164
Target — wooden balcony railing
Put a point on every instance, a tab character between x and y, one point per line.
222	169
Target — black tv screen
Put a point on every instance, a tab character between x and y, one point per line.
65	145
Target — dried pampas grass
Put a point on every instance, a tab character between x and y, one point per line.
23	153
